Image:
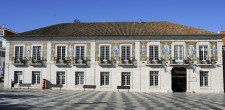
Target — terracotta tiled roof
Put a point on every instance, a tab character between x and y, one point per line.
116	29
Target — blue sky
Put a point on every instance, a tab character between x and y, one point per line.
25	15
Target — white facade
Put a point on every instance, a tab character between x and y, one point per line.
140	75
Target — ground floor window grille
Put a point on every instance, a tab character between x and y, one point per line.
18	77
60	78
203	78
125	78
79	78
154	78
104	78
36	77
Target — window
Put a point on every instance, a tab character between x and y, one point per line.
104	52
154	78
203	52
104	78
153	52
61	52
203	78
79	78
178	53
35	77
36	53
125	52
0	43
1	53
1	32
60	78
18	52
125	78
79	52
18	77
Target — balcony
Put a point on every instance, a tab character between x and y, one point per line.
179	61
38	62
128	62
106	62
206	61
21	61
63	61
81	61
155	62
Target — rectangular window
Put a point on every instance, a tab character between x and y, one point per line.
0	43
104	52
35	77
1	32
203	52
125	78
125	52
80	53
79	78
153	52
18	52
60	78
178	53
3	54
203	78
61	52
36	53
104	78
18	77
154	78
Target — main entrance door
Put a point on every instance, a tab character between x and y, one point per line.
179	80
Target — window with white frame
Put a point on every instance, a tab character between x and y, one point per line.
104	78
1	32
80	55
203	52
79	78
125	52
36	55
178	53
154	78
18	77
104	52
60	77
125	78
203	78
35	77
61	52
153	52
19	52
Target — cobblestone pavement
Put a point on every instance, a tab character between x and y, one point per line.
65	99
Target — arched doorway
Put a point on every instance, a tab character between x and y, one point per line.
179	80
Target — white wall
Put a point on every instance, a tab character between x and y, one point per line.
139	74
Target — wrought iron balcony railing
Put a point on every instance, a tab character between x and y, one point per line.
179	60
38	61
129	61
107	61
81	61
21	61
205	61
157	61
62	61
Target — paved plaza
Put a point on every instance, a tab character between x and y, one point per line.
65	99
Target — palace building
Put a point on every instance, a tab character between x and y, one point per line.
146	56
